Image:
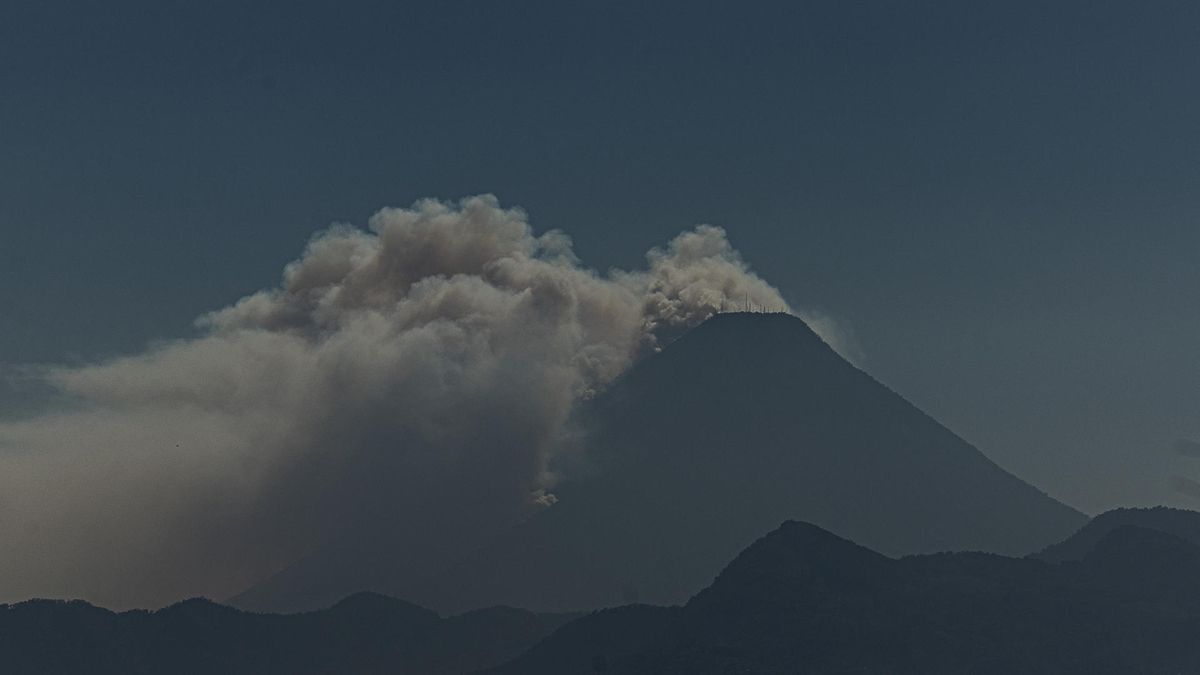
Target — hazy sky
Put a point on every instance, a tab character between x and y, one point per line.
1000	199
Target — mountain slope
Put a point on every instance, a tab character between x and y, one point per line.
745	421
803	600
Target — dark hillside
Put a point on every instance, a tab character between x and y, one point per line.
745	421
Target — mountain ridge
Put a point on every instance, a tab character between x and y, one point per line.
363	633
1178	522
935	614
798	596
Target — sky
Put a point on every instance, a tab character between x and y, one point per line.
997	201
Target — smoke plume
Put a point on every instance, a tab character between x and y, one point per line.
413	379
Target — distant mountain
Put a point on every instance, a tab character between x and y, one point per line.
745	421
1178	522
365	633
800	599
803	600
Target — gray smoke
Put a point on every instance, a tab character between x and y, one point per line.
416	377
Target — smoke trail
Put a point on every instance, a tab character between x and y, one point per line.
412	379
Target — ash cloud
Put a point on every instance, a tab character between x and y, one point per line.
413	379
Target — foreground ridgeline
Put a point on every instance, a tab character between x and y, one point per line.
365	633
802	600
799	600
744	422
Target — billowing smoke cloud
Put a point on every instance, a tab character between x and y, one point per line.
414	379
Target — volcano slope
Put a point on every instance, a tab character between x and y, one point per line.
745	421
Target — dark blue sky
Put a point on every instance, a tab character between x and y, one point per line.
1001	199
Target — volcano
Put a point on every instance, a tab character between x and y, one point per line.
743	422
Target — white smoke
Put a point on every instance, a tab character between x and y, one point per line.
414	379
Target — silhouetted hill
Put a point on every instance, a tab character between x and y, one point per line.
803	600
1147	564
364	633
745	421
798	562
1179	522
799	599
